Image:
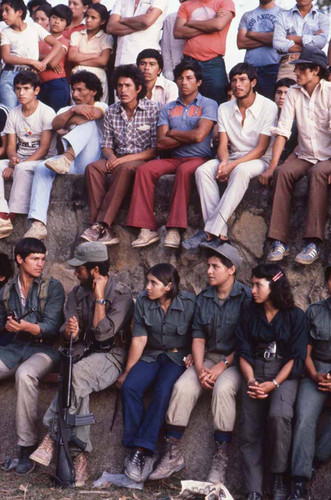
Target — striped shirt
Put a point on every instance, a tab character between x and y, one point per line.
126	136
290	22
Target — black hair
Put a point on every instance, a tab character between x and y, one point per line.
87	2
150	54
6	268
188	65
28	245
284	82
91	81
63	12
280	290
131	71
225	261
34	3
46	8
27	77
103	266
327	273
243	68
166	273
323	72
16	5
103	13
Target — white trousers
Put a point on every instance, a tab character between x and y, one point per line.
20	193
216	211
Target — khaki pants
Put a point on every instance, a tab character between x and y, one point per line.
27	377
91	374
187	391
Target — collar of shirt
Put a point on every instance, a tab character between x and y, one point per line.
176	303
160	82
211	291
255	109
197	100
328	302
321	83
141	105
313	10
97	35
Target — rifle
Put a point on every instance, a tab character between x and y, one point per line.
65	472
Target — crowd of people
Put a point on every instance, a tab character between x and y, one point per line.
125	97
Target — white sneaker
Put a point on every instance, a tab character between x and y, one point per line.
172	238
60	165
146	237
37	230
6	227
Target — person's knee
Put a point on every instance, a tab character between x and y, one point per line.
25	377
206	170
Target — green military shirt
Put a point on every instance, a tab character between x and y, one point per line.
319	319
217	323
165	332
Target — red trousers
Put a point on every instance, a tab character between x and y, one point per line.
141	211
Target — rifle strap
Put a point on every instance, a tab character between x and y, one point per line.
42	293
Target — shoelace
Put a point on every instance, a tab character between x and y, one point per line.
138	459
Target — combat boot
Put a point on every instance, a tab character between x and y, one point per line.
25	465
280	490
171	461
219	463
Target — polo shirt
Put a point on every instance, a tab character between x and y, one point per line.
178	116
260	117
129	46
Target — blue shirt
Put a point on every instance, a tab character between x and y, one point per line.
261	21
180	117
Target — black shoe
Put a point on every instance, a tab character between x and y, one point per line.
280	491
298	492
254	496
25	465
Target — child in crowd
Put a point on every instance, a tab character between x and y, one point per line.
42	15
29	130
19	48
90	49
54	85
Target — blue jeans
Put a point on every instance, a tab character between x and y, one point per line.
266	80
55	93
309	406
85	141
7	93
214	78
141	428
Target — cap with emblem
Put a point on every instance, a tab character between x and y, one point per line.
91	251
312	55
225	250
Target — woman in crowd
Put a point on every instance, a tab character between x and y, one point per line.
161	340
272	344
42	14
78	9
90	49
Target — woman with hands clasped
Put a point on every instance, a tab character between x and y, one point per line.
272	344
161	340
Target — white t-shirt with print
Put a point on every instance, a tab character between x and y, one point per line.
28	129
24	43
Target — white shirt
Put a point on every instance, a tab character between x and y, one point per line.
28	129
259	119
99	42
24	43
164	91
172	48
313	117
101	105
129	46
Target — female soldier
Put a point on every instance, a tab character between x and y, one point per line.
272	343
161	339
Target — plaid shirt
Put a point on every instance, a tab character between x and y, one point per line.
125	136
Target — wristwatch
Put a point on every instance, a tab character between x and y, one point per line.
227	364
101	301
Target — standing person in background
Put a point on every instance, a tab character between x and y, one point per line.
42	14
302	26
171	48
54	89
78	9
32	6
20	49
159	89
205	25
272	346
137	25
255	34
90	49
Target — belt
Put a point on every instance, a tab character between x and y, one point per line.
268	356
18	67
289	58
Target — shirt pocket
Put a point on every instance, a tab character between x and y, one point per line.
207	322
322	331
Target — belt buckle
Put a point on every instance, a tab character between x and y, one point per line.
267	355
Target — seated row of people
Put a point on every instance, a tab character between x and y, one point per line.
254	342
135	131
